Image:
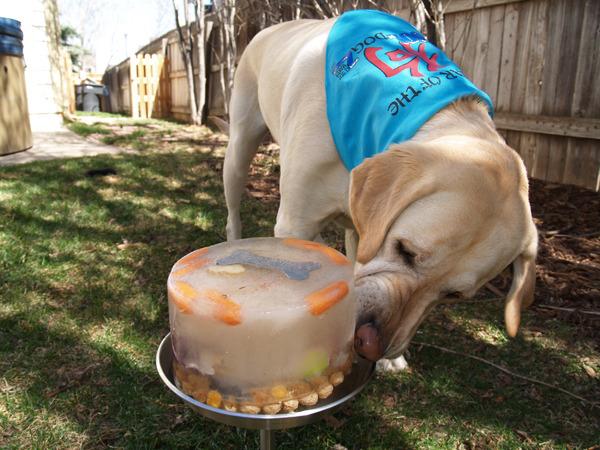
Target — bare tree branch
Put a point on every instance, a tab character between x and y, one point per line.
186	47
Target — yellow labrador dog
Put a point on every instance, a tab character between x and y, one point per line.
429	220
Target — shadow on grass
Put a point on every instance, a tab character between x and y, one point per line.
95	253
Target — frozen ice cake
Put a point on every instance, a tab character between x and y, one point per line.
262	325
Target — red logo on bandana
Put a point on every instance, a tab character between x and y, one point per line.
406	53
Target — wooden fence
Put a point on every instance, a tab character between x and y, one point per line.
149	86
538	60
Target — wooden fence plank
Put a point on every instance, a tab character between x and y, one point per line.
552	62
568	54
133	90
535	68
557	155
495	42
462	25
449	30
588	64
480	44
455	6
519	68
521	61
469	45
558	126
533	86
509	46
590	172
573	161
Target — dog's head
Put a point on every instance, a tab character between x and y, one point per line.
436	221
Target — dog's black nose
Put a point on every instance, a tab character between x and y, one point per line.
368	343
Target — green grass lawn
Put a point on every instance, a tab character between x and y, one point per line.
83	268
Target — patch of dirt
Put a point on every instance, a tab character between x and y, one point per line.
568	220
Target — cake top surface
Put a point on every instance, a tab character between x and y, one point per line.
260	275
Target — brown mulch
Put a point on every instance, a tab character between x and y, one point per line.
568	264
568	267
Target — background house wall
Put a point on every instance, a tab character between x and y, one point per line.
45	60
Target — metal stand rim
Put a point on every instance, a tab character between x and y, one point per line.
355	382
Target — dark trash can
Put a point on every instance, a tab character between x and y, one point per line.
88	97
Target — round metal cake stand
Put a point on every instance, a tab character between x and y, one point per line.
352	385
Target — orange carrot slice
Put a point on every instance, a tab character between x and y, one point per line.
331	253
187	290
194	265
182	304
226	310
192	256
320	301
182	296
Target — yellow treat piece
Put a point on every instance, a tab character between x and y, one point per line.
249	409
233	269
200	395
262	397
280	392
290	406
325	390
180	372
214	399
336	378
272	409
310	399
300	389
230	405
319	382
198	381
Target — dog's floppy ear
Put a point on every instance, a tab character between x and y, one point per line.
381	188
521	292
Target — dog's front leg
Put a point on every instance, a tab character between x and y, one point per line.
313	191
290	223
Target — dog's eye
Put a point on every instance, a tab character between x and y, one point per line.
405	254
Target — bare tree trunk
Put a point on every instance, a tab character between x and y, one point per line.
232	46
186	47
225	10
429	16
417	13
201	100
438	10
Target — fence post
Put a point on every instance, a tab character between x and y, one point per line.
134	86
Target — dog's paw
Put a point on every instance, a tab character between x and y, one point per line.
392	365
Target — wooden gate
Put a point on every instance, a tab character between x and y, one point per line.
150	87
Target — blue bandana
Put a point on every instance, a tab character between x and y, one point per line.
383	81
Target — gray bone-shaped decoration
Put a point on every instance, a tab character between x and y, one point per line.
293	270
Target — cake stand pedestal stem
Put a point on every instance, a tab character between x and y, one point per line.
267	440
